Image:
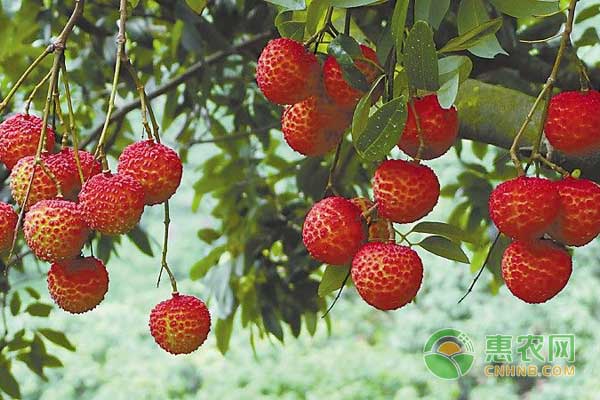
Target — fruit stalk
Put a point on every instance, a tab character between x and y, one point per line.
72	127
544	95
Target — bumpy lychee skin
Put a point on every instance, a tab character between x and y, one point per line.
573	124
286	72
387	275
380	229
89	167
55	230
314	126
8	222
157	167
524	208
181	324
405	191
439	128
112	204
19	137
536	271
578	220
78	285
43	187
333	231
338	89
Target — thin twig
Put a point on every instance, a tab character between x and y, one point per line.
487	259
337	296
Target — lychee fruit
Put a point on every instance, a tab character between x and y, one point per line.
19	137
78	285
180	324
55	230
338	89
333	231
89	167
405	191
387	275
578	220
314	126
439	128
523	208
112	204
8	223
43	187
380	229
155	166
286	72
535	271
573	124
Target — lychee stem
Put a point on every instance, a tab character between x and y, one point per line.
337	296
164	263
487	259
330	188
37	87
72	126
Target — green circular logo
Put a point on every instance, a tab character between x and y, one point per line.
449	354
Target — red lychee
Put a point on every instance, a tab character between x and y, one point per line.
314	126
55	230
524	208
8	222
155	166
573	124
89	167
387	275
78	285
439	128
43	187
380	229
286	72
535	271
180	324
578	220
19	137
405	191
338	89
112	204
333	231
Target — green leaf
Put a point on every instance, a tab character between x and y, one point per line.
361	112
289	4
200	269
291	29
420	58
315	16
272	323
223	330
32	292
57	338
8	383
398	24
197	5
208	235
453	71
333	279
51	361
443	247
432	11
345	49
526	8
353	3
39	309
383	130
473	36
140	239
451	232
15	303
311	322
587	13
473	13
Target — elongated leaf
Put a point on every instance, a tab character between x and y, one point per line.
473	36
57	338
443	229
333	278
453	71
315	16
290	4
587	13
398	25
140	239
352	3
383	130
272	323
420	58
443	247
8	383
291	29
345	49
526	8
196	5
432	11
311	322
15	303
201	267
223	330
361	112
472	13
39	309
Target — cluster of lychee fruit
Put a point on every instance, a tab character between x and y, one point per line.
69	196
544	216
339	231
